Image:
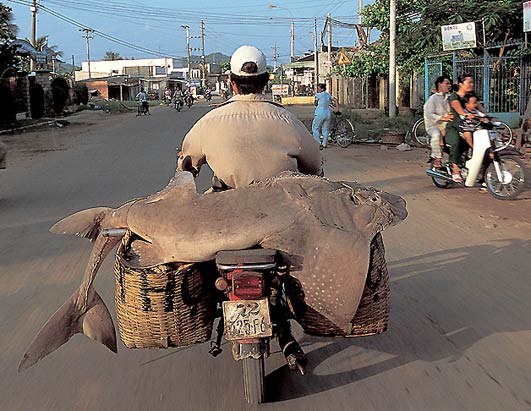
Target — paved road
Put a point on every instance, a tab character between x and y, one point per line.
460	331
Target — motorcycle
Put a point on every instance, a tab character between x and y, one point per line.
492	163
189	100
143	108
253	312
208	95
179	103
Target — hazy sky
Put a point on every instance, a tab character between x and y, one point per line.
155	25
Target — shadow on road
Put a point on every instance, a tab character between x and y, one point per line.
441	305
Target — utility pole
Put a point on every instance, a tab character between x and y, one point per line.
33	10
329	21
360	8
87	38
315	55
186	27
292	48
73	70
275	55
392	59
203	65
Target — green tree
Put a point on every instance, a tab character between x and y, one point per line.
419	29
9	56
112	55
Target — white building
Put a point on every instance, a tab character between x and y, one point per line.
149	68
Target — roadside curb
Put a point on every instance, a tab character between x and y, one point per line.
14	130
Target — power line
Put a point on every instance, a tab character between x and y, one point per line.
95	31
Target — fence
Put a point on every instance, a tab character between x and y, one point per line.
503	84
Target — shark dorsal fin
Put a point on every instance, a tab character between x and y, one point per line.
181	185
184	180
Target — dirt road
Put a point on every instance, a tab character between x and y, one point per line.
460	330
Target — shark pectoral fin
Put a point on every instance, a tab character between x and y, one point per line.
85	223
145	255
95	322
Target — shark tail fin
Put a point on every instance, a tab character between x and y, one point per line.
84	223
94	321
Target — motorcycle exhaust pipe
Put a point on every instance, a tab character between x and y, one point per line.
442	176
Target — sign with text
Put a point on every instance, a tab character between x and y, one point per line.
527	16
280	89
459	36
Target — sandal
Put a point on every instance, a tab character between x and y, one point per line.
457	178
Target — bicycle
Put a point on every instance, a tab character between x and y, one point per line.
419	135
341	131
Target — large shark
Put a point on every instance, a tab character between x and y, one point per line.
323	229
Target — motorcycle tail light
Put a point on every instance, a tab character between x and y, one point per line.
248	285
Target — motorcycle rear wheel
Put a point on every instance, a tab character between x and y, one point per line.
253	380
513	170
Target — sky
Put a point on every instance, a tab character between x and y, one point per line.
151	28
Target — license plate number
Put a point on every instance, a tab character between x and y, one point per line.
247	319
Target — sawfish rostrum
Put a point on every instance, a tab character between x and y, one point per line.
322	228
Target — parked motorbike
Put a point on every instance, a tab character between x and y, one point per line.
253	312
492	163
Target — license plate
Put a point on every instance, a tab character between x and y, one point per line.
247	319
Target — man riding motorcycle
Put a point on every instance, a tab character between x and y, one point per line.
143	105
248	139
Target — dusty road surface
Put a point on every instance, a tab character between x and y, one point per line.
460	329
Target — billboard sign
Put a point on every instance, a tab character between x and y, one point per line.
527	16
459	36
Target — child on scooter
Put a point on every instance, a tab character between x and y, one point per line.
468	125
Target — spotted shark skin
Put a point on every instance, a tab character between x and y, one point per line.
322	228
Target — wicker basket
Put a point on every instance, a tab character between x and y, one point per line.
170	305
372	315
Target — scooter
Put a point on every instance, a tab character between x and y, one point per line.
492	163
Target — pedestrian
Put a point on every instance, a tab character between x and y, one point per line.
322	115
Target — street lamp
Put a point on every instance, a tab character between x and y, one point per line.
292	27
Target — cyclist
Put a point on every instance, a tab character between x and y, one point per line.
436	114
321	119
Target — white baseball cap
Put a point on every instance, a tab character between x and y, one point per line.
247	54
